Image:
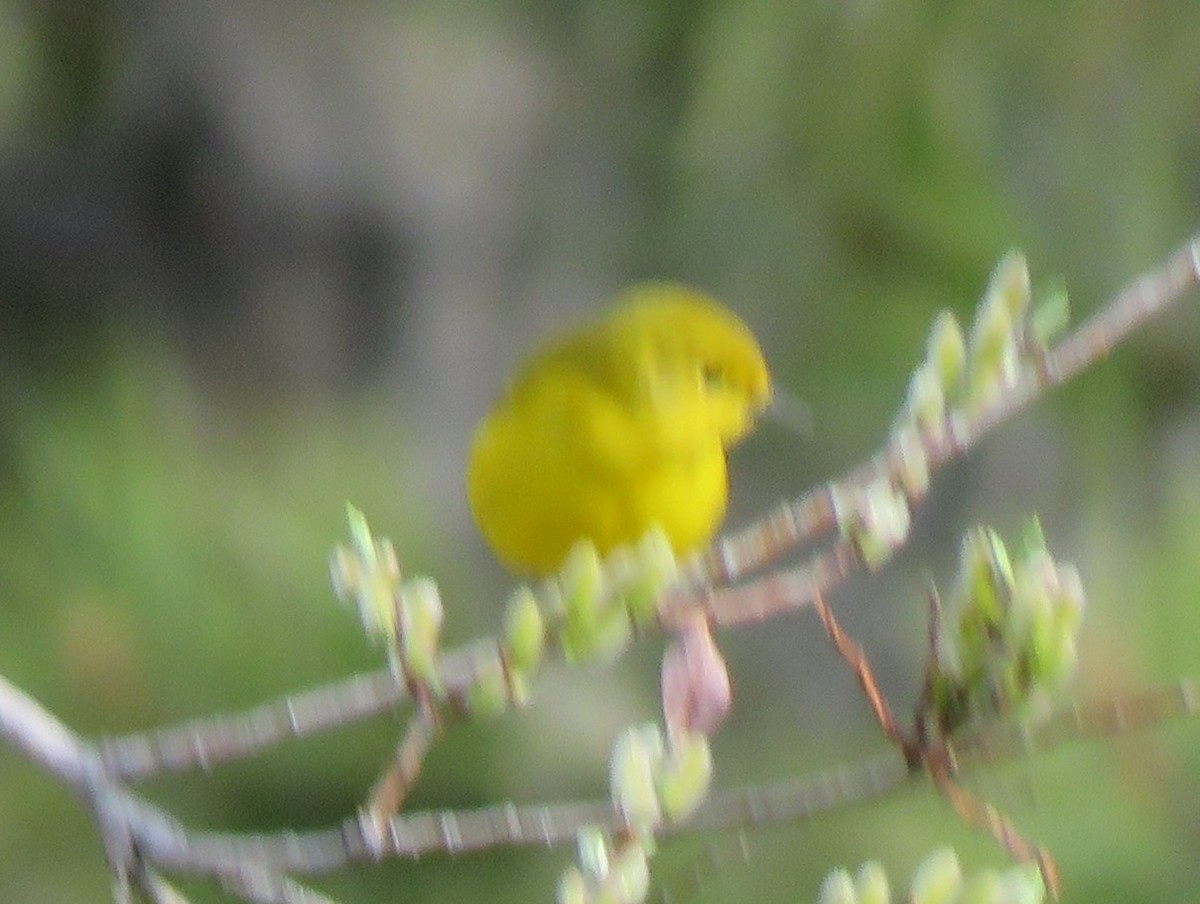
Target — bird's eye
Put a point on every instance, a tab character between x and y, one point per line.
712	376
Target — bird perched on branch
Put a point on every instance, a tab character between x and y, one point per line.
617	427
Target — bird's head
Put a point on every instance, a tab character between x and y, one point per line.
687	342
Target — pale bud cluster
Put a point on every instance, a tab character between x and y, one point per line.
598	601
606	872
966	375
958	378
406	614
652	780
367	574
655	776
938	879
1008	633
591	608
998	332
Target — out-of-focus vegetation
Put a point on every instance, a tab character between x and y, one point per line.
258	258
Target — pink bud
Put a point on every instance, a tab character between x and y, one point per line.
695	683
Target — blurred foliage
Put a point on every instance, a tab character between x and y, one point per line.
261	258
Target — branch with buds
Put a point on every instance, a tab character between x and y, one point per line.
1000	642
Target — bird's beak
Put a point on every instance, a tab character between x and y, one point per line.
789	411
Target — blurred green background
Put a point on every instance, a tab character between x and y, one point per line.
259	258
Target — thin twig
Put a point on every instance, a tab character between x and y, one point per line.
854	657
983	815
392	787
935	759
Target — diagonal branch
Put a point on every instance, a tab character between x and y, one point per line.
796	523
43	739
207	742
263	860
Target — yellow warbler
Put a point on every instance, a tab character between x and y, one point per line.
617	427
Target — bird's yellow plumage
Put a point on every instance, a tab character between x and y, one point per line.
617	427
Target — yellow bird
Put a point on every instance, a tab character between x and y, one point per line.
617	427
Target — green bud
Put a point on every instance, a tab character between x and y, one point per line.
1010	284
520	689
386	560
999	561
975	652
582	581
1031	604
1032	539
603	638
592	849
524	630
999	320
621	565
572	887
837	888
985	581
686	775
883	525
632	775
367	573
1055	601
926	401
1053	657
379	598
629	874
575	645
550	597
871	884
1051	316
421	616
937	879
488	694
876	520
594	627
360	532
373	593
656	553
1022	884
913	470
654	570
946	352
993	351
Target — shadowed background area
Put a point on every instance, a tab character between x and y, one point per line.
260	258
